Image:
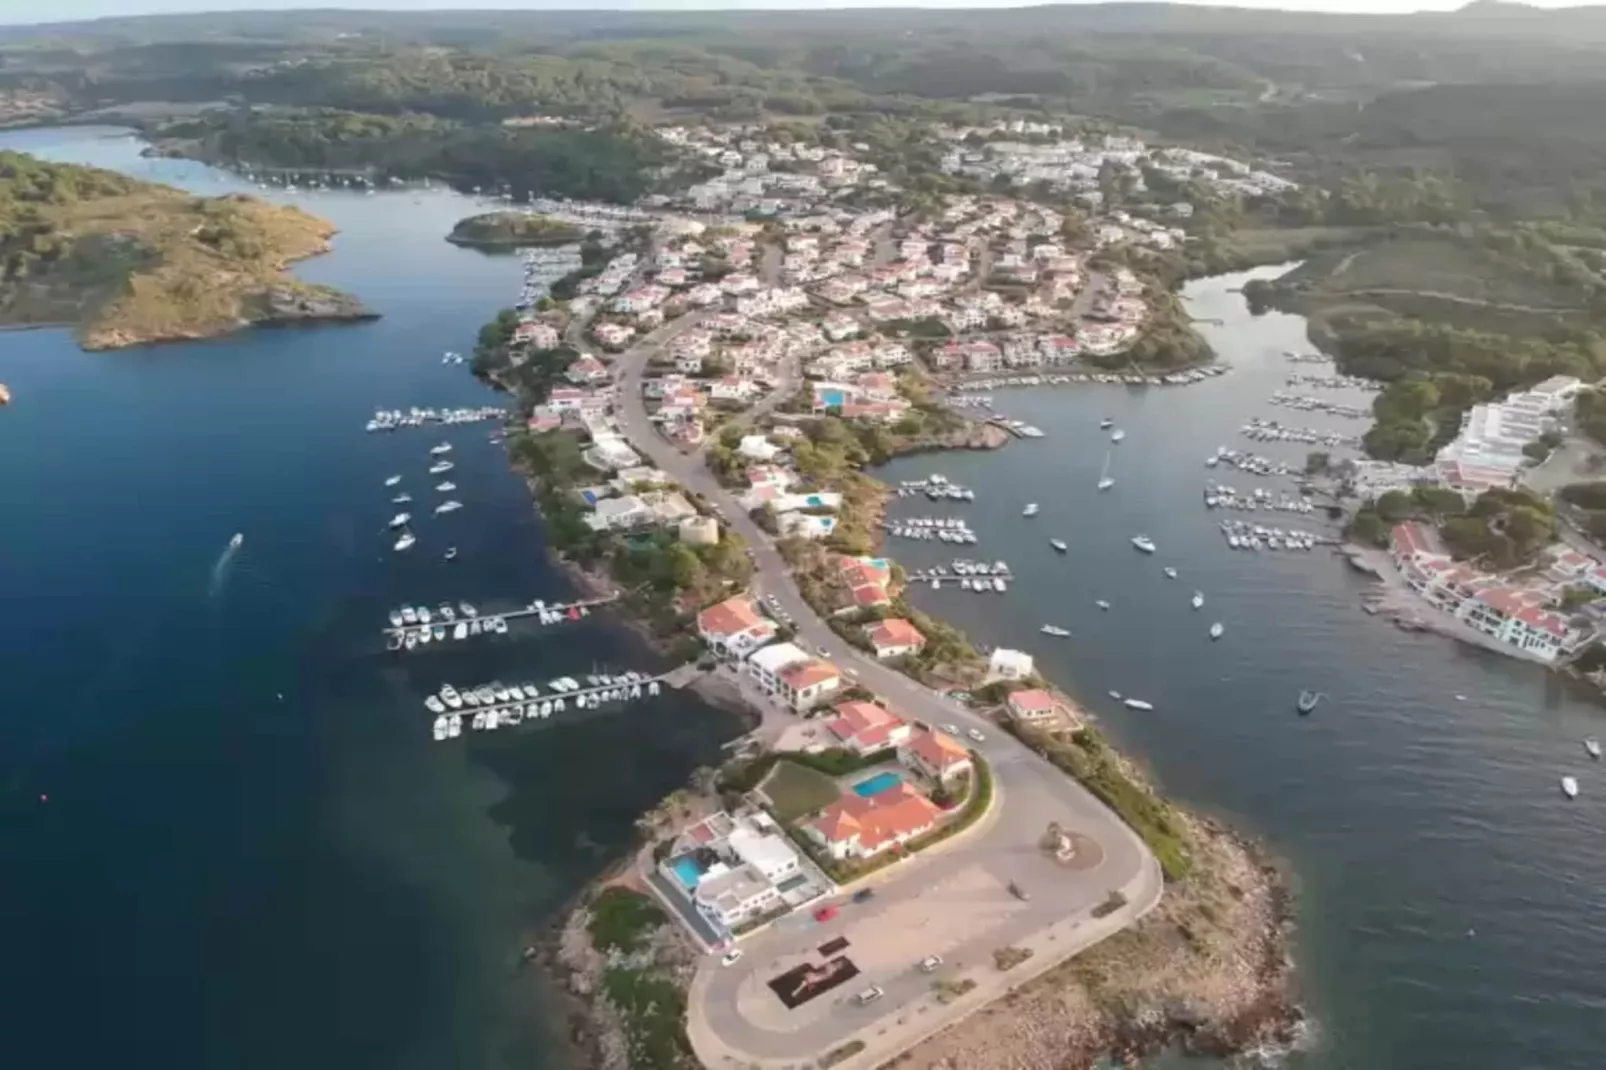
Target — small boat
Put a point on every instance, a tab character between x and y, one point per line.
1030	510
1144	543
1216	630
1592	745
467	609
1138	704
444	447
1569	787
460	630
1308	700
395	618
1170	572
1106	423
424	615
1058	544
454	727
411	641
409	615
442	727
1054	629
1102	604
393	641
451	553
449	507
499	626
433	704
446	487
450	696
392	481
400	519
401	499
406	541
441	466
237	541
1117	435
1116	695
1198	600
1105	482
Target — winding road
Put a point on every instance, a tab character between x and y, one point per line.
951	900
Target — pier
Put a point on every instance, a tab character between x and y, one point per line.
532	706
556	613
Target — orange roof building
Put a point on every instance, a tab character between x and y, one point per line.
858	827
936	754
734	627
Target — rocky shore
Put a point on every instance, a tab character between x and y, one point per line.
288	305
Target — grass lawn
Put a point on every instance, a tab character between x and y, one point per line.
794	791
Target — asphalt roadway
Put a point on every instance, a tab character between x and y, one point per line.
952	901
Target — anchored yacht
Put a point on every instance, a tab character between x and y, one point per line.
441	466
1216	630
1144	543
1030	510
1139	704
1058	544
1198	600
406	541
400	519
1054	629
444	447
449	507
1117	435
1569	787
392	481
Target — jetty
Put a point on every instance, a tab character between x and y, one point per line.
443	627
491	706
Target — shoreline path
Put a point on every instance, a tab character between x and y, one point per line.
952	900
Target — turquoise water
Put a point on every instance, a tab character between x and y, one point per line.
226	838
885	781
687	872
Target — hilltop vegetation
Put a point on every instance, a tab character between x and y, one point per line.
513	229
128	262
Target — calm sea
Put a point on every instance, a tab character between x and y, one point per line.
226	839
198	873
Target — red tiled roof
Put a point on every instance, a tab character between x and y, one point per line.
731	617
938	750
871	595
1032	700
1540	620
864	722
895	632
806	674
887	816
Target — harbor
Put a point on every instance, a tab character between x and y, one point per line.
932	528
414	626
396	419
937	488
999	382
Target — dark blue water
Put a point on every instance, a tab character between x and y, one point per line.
226	838
1411	818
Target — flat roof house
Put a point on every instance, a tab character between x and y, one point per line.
1036	708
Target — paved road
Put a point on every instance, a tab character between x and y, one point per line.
734	1018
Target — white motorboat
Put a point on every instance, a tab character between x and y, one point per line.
1138	704
1102	604
409	615
433	704
450	696
1198	600
395	618
1170	572
441	466
1144	543
454	727
406	541
1216	630
411	641
1058	544
1106	423
1105	482
1117	435
450	554
446	487
400	519
444	447
424	615
1030	510
392	481
1592	745
499	626
449	507
1116	695
401	499
1054	629
460	630
467	609
442	727
1569	787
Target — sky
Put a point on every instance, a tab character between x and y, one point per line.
25	11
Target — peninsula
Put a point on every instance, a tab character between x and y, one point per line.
513	230
128	263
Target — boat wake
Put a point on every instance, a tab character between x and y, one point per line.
222	568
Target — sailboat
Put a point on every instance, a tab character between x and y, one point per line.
1105	482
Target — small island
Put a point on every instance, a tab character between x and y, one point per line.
128	263
513	230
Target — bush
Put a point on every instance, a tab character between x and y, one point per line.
621	919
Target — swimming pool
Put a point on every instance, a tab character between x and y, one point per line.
688	873
877	784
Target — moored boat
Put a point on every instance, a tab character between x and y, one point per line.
1592	745
1198	600
1144	543
1307	700
1138	704
1058	544
1101	603
1216	630
406	541
1569	787
1030	510
1054	629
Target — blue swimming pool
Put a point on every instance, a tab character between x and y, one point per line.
688	873
877	784
830	398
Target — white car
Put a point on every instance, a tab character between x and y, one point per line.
930	963
951	729
732	957
975	733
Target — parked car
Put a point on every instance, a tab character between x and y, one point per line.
930	963
869	995
951	729
732	957
975	733
825	913
864	895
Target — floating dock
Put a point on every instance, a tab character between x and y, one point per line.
555	613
